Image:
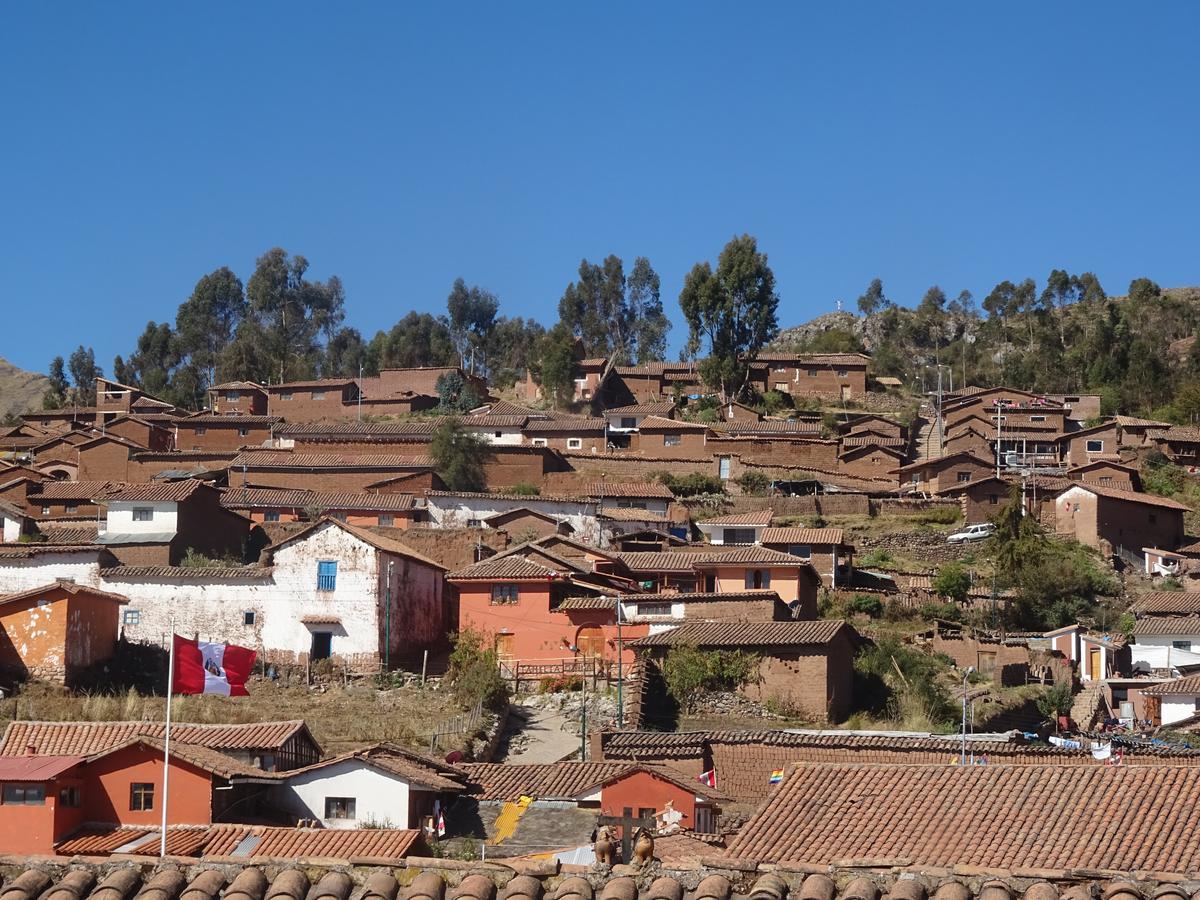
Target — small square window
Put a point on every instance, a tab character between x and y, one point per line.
141	796
505	593
1094	446
671	440
242	432
340	807
499	434
68	797
841	373
318	395
271	515
45	510
232	395
327	575
200	429
541	442
387	520
143	514
628	422
70	507
993	499
574	443
963	477
812	373
249	617
285	395
131	617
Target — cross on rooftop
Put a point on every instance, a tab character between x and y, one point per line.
628	823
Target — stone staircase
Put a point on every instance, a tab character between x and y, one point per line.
925	443
1089	706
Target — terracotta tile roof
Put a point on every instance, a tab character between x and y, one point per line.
303	843
287	459
75	490
525	498
748	556
168	492
746	634
188	573
636	489
68	531
267	498
659	423
1167	603
232	420
1189	684
70	587
606	603
87	738
314	383
796	535
873	440
561	780
654	408
853	359
572	425
238	386
357	430
760	518
1164	625
770	426
1034	817
516	568
630	514
25	551
658	368
654	561
1184	434
1135	422
1131	496
413	767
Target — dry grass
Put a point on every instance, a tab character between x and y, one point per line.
341	717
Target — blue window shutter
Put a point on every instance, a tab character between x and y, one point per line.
766	578
326	575
749	579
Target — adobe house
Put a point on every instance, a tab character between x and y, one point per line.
1173	701
158	523
1089	444
735	528
981	498
238	397
312	401
932	476
576	434
868	457
1098	656
146	433
1107	473
648	382
660	436
869	423
209	431
14	522
842	375
1137	432
322	471
1110	519
661	610
807	666
1180	444
389	510
67	499
56	631
525	524
825	549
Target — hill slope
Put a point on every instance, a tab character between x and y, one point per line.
20	390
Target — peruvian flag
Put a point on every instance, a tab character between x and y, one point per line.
708	778
205	668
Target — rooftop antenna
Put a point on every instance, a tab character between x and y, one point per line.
839	304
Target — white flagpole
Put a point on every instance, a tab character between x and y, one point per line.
162	846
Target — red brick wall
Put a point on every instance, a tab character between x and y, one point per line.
249	402
222	436
106	461
304	408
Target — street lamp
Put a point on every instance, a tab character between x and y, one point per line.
966	675
574	648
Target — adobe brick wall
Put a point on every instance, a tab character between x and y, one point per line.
817	682
146	554
454	548
691	444
896	506
983	503
769	451
222	436
822	380
143	468
1008	662
106	461
303	408
875	464
559	442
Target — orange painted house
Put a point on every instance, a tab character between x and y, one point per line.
39	801
58	630
514	597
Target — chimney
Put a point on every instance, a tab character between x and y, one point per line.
31	750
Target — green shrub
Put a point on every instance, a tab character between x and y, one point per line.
952	582
556	684
1057	700
875	558
866	605
754	482
692	484
474	673
942	515
947	611
903	682
524	489
688	670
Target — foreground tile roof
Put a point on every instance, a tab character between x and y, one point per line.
86	738
748	634
1189	684
1104	819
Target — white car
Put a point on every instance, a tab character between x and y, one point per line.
972	533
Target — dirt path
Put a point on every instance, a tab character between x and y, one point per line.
537	736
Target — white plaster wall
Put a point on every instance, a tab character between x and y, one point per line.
215	610
509	437
1156	651
23	574
1177	707
11	531
120	518
379	796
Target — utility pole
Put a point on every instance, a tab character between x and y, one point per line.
620	671
387	619
360	377
966	675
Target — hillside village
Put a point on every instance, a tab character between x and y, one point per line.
718	596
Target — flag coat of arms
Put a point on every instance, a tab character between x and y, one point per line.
708	778
202	667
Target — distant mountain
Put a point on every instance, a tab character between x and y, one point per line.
20	391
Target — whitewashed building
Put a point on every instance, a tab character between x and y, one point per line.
1165	643
1177	700
379	786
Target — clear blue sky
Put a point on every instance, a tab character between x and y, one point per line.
403	145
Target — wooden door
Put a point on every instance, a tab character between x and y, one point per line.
1094	664
504	646
590	641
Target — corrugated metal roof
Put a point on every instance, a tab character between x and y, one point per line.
36	768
